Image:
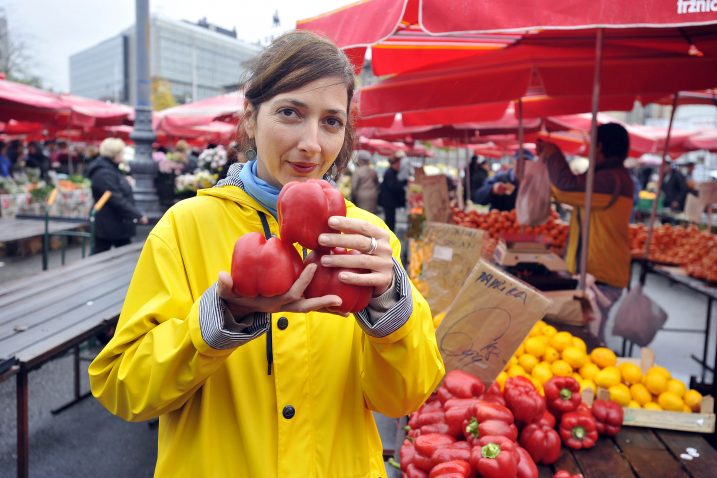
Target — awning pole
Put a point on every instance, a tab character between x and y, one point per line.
520	167
585	229
661	177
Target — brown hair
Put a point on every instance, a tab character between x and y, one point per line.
290	62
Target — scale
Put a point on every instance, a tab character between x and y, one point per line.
529	258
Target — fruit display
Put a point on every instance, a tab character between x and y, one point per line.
547	353
688	247
467	430
498	223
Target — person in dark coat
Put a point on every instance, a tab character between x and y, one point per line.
501	190
392	194
675	188
37	159
115	222
477	174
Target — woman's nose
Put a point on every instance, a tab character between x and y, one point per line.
309	141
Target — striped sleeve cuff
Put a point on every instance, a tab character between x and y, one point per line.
218	327
388	312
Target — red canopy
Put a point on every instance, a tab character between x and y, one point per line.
227	107
703	140
25	103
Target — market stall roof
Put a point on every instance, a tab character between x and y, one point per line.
26	103
226	107
89	112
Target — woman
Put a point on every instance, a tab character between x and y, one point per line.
270	386
364	183
115	222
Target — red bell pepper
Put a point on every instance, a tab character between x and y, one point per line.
443	394
304	210
542	442
463	384
451	469
262	267
488	418
430	442
459	403
413	471
493	394
578	430
608	417
326	281
459	450
567	474
548	419
562	395
523	400
417	420
409	456
495	457
526	466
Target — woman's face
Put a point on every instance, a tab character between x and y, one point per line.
299	133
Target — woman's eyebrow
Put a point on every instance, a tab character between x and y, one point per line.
301	104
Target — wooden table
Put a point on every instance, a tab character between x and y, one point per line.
51	312
12	229
642	453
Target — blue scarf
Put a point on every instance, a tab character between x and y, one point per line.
266	194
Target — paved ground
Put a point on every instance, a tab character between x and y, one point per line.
86	441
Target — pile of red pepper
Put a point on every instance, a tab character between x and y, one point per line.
465	430
269	266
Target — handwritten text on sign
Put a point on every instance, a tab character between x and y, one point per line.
485	324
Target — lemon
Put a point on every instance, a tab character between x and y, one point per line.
686	409
607	377
587	383
589	370
630	372
551	355
561	341
542	372
549	331
535	347
633	404
574	356
640	393
661	370
501	378
620	394
512	361
537	329
651	406
676	386
516	370
520	350
528	362
603	357
655	382
561	368
693	399
670	401
580	343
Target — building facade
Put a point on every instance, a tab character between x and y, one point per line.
198	60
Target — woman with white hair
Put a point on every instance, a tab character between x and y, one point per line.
114	223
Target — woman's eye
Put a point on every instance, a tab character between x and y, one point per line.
334	122
287	112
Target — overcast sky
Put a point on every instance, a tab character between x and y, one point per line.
52	30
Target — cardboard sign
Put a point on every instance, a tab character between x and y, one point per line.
448	256
435	198
708	192
487	321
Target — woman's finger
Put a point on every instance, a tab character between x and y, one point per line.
316	303
357	261
224	285
378	280
297	289
349	225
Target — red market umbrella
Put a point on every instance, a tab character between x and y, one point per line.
88	112
703	140
226	107
26	103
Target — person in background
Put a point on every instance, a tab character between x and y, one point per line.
36	159
608	257
270	386
674	188
477	173
5	164
392	193
632	165
501	190
115	222
364	183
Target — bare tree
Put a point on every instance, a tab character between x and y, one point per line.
19	66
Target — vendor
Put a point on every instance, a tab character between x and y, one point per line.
501	190
608	258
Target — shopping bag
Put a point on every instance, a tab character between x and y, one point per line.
638	318
532	206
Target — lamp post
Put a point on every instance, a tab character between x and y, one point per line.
143	168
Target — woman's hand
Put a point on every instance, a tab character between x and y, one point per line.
357	235
292	301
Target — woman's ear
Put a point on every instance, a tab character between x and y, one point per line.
249	120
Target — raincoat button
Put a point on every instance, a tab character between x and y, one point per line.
288	412
282	323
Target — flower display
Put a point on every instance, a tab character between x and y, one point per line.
193	182
213	159
169	163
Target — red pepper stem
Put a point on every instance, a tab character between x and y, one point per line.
491	450
566	393
579	433
472	427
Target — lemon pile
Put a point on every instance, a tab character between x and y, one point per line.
547	353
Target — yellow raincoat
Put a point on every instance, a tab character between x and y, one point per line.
221	413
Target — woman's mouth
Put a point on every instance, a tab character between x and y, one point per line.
304	168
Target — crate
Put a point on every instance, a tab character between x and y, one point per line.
702	422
